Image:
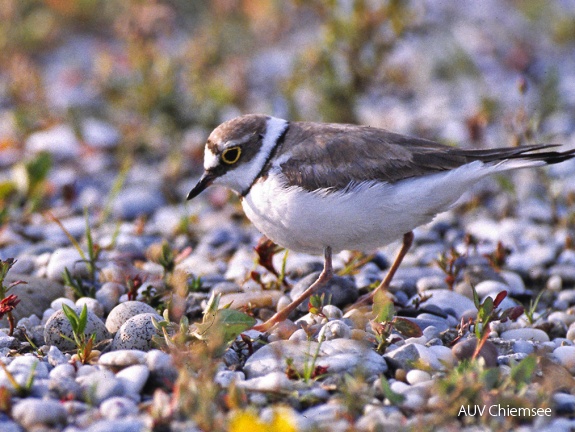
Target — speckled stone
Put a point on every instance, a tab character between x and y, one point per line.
124	311
58	324
136	333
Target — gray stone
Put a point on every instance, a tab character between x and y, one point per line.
118	407
122	358
566	357
406	356
337	356
123	425
66	258
92	305
333	330
529	334
99	386
445	299
32	413
339	291
109	295
133	378
35	295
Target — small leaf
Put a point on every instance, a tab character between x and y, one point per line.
406	327
233	322
71	316
490	378
522	373
383	307
475	298
83	319
499	298
487	307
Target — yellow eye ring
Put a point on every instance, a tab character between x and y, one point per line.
231	155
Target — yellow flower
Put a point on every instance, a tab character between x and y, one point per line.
248	421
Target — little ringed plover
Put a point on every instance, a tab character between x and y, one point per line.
322	188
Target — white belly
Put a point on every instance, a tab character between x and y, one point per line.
366	217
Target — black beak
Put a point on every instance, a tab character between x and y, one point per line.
204	182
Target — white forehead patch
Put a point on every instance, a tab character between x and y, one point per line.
210	159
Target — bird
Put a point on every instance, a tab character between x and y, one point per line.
320	188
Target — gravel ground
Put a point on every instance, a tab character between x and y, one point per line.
328	368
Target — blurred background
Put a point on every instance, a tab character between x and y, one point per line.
148	79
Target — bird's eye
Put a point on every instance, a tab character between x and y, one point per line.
231	155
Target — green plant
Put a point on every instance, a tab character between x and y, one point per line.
488	311
471	384
80	288
83	342
196	349
451	265
218	329
498	257
530	311
8	303
93	250
316	303
385	322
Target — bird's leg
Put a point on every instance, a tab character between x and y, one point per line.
368	298
323	278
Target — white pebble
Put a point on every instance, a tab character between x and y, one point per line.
415	376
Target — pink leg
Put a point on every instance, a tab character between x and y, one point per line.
323	278
368	298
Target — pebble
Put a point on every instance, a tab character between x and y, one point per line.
99	385
416	376
109	295
66	258
338	356
123	358
58	325
464	350
566	357
99	134
34	413
134	201
339	291
333	330
564	404
133	378
118	407
60	141
407	355
529	334
35	294
446	299
136	333
92	305
118	425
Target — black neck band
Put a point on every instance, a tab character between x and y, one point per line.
266	165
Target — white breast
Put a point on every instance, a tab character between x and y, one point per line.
364	217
